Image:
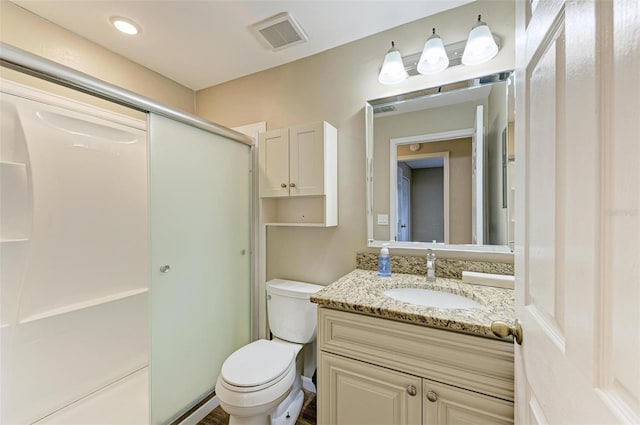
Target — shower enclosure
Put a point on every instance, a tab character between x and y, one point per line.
125	261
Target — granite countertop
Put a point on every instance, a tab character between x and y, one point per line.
361	291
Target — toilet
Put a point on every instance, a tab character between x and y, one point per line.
261	383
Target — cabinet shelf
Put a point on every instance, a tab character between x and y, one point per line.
302	211
296	224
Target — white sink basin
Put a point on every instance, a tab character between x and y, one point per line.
430	298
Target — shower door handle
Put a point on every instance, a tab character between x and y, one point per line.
165	268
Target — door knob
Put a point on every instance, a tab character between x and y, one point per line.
503	330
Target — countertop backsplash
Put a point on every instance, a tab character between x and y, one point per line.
448	268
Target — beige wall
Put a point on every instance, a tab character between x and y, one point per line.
333	86
23	29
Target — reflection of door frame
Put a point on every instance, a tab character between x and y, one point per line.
393	164
407	205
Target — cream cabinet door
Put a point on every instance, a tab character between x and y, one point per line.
446	404
274	163
357	393
306	159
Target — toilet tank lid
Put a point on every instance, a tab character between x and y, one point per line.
292	288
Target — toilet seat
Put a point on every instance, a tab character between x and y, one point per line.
258	365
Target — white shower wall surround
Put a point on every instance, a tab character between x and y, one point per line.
74	233
76	264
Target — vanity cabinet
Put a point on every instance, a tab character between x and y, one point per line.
378	371
298	181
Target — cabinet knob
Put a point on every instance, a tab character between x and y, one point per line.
165	268
411	389
292	185
432	396
283	185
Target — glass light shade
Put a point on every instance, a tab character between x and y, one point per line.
434	57
393	68
481	46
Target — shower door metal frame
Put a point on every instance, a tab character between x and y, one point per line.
20	60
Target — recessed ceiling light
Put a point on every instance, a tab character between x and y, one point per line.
125	25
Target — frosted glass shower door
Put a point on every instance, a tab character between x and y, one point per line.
200	261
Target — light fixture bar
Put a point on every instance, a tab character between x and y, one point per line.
454	53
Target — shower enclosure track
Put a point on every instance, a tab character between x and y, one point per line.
20	60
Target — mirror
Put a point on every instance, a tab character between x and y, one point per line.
440	167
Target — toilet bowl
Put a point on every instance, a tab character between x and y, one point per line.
260	383
255	379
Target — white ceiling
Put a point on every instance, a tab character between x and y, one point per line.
207	42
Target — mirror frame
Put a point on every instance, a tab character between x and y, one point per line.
369	141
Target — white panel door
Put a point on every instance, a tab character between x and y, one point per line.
477	176
578	202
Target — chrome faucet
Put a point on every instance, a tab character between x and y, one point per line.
431	266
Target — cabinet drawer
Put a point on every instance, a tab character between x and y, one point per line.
475	363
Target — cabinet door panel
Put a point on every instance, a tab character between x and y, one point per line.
274	163
357	393
306	160
455	406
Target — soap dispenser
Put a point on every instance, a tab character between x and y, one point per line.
384	262
431	266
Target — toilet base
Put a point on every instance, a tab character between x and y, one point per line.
289	409
249	420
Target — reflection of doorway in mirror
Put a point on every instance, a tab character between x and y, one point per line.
423	197
444	213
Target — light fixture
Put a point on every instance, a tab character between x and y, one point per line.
480	47
392	70
125	25
434	58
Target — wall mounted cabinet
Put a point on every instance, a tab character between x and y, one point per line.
298	181
374	370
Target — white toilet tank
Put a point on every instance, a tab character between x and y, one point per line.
292	316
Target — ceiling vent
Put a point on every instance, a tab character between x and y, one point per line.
279	32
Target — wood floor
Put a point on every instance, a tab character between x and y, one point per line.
307	416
